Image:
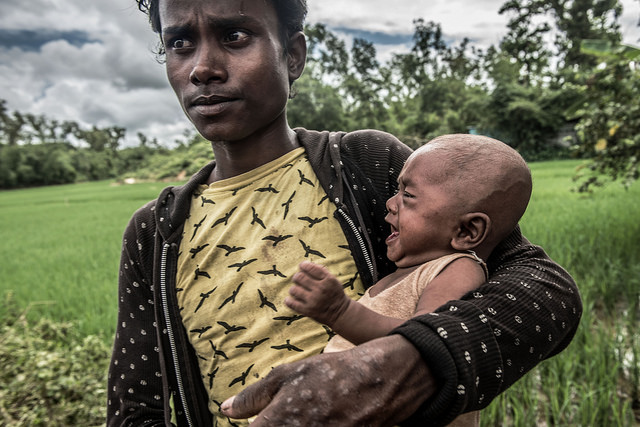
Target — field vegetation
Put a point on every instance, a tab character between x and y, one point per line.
60	250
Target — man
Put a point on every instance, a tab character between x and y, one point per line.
205	268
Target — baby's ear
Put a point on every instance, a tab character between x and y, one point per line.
473	229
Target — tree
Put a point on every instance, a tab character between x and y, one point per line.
525	41
316	105
578	20
363	86
11	124
609	114
436	88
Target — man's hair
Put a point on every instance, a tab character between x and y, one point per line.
291	17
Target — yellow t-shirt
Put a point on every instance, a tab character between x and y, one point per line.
243	240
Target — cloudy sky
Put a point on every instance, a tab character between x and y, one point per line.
92	61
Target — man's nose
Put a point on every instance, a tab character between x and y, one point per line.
209	65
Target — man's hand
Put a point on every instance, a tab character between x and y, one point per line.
379	383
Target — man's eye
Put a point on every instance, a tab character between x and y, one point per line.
406	194
178	44
236	36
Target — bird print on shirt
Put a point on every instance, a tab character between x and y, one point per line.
308	251
196	227
203	298
206	201
230	249
256	219
242	378
304	179
264	302
230	328
240	265
274	271
225	219
199	273
286	205
289	319
288	346
277	239
232	297
195	251
312	221
252	345
244	245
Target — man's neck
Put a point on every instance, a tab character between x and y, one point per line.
238	157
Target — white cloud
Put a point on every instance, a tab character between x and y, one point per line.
115	80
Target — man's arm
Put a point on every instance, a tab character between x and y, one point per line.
479	346
373	384
135	384
472	350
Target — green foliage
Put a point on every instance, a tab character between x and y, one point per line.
520	91
525	117
51	375
315	105
596	380
609	114
60	247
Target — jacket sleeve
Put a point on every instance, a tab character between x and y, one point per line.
135	394
480	345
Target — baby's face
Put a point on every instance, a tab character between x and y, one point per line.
422	213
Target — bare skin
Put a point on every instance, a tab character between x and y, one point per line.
232	78
387	372
319	295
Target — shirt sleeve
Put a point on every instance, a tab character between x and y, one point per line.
478	346
135	394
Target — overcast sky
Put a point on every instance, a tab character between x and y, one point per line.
92	61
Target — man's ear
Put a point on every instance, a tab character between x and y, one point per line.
296	55
473	229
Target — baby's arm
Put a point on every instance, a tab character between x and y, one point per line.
319	295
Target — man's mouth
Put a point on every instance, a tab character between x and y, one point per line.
210	100
393	236
211	105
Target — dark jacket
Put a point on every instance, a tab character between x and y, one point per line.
153	361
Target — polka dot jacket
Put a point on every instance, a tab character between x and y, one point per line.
527	311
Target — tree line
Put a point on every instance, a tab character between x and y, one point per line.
559	70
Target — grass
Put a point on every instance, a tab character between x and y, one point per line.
595	381
60	249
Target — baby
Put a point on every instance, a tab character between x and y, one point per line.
458	197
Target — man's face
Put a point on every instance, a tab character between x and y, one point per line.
422	213
225	62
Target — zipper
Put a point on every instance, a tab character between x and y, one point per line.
172	343
361	242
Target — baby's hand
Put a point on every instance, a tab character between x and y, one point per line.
317	294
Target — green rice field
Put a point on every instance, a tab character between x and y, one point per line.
60	248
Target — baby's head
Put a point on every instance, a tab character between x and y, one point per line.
457	193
